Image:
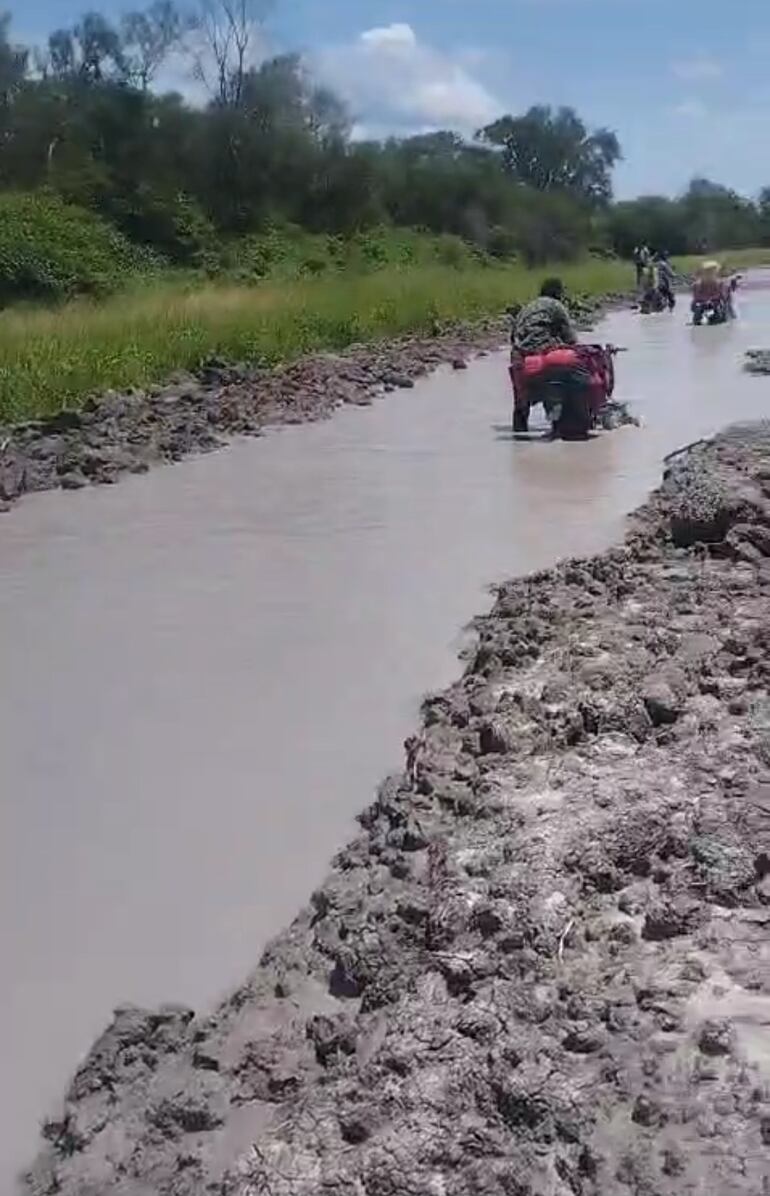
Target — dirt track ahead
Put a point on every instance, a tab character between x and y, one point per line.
544	966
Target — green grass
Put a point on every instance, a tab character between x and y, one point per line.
731	259
286	252
53	358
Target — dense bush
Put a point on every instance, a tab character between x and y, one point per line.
174	225
289	252
51	250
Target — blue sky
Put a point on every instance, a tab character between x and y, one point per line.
683	82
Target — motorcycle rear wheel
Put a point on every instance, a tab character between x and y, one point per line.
574	422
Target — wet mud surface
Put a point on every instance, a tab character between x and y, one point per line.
543	966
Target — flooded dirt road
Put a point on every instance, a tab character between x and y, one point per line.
207	670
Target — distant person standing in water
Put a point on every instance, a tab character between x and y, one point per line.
642	258
666	278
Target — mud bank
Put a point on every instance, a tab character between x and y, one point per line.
543	968
116	434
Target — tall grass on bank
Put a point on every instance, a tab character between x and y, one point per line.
731	259
50	359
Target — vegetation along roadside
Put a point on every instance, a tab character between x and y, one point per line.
142	232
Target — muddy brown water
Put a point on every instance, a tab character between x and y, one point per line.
206	671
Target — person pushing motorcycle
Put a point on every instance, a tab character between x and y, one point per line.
545	349
712	294
545	323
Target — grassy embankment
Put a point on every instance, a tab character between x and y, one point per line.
731	259
55	357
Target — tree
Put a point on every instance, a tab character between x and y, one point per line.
273	147
13	63
229	32
148	36
554	151
764	216
717	217
650	220
90	52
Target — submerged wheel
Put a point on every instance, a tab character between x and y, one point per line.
574	423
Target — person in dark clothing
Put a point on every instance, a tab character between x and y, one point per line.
666	279
641	262
543	327
544	323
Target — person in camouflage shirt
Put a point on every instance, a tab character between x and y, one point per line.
544	323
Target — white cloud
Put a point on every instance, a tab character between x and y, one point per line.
396	36
699	69
392	81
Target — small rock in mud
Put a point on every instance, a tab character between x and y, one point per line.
716	1038
668	919
495	737
648	1112
74	480
660	703
11	475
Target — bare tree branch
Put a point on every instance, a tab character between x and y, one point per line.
230	34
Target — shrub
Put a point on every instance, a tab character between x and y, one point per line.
173	225
501	243
288	252
281	251
453	251
51	250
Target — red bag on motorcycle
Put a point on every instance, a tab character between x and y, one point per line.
563	358
524	369
594	359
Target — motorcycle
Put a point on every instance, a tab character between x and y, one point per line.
574	384
713	311
652	300
657	299
717	309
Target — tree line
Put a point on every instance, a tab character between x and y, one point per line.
85	118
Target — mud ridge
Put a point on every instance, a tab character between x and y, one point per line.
121	433
543	966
